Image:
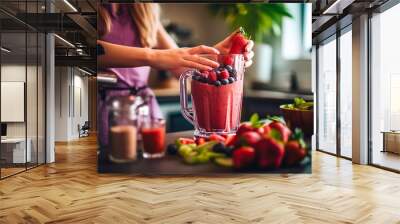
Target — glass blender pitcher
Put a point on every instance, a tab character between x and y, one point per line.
216	96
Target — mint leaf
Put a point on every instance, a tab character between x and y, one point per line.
254	119
298	101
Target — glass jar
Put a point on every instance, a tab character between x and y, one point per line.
123	126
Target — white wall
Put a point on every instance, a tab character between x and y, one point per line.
71	93
34	125
16	73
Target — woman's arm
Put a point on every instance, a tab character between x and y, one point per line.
165	41
115	55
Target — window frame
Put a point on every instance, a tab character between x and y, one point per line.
347	27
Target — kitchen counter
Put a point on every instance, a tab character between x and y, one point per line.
278	95
173	165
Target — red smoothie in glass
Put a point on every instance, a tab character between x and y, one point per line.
217	108
153	140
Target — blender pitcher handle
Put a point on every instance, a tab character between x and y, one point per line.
186	111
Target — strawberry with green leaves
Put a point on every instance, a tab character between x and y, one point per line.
279	125
239	42
295	149
270	150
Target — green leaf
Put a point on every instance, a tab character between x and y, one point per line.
275	134
259	19
277	119
298	101
254	119
299	136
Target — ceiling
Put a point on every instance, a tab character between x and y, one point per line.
330	15
72	20
75	21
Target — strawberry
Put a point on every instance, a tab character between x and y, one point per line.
250	138
243	157
266	129
216	137
270	153
224	74
244	127
239	42
295	149
200	141
227	60
183	141
212	76
294	153
231	140
283	130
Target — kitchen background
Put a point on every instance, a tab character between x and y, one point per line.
282	62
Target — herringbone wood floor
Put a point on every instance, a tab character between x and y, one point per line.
71	191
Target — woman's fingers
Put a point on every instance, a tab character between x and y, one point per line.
201	60
248	55
248	63
249	46
203	49
195	65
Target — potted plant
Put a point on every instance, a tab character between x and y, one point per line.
262	22
299	114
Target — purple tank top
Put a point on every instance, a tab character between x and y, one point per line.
124	32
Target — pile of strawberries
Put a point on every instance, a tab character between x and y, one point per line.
266	144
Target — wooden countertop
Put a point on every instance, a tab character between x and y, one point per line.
173	164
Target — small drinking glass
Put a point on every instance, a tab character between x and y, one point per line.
153	138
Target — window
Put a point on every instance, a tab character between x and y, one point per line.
346	94
385	88
327	96
296	32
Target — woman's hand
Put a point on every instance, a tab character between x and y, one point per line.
225	45
172	59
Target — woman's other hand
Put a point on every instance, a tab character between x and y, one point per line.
172	59
225	45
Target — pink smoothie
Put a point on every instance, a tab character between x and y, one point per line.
217	108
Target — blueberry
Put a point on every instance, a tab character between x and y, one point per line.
229	68
231	79
228	150
219	148
224	81
217	83
196	77
172	149
233	73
